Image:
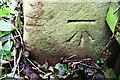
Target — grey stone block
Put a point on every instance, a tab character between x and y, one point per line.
56	29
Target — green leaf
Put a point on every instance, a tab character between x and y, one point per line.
45	65
1	68
100	76
4	12
101	60
1	45
6	54
81	68
119	77
4	61
65	68
60	69
8	45
2	77
5	38
6	26
110	74
3	33
98	61
1	48
55	71
112	18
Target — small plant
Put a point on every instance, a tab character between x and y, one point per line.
9	23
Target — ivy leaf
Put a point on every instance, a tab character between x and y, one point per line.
4	12
5	38
112	18
8	45
6	26
6	54
3	33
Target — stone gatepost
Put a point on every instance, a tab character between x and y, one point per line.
56	29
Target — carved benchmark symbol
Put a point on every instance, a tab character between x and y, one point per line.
80	21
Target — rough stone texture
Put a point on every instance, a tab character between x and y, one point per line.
54	29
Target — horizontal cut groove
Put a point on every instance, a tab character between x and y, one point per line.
71	21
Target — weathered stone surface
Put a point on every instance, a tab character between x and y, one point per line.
59	29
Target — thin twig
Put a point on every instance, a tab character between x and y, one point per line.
72	56
18	60
35	66
21	40
116	9
14	51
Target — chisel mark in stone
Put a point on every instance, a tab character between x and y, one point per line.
71	37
